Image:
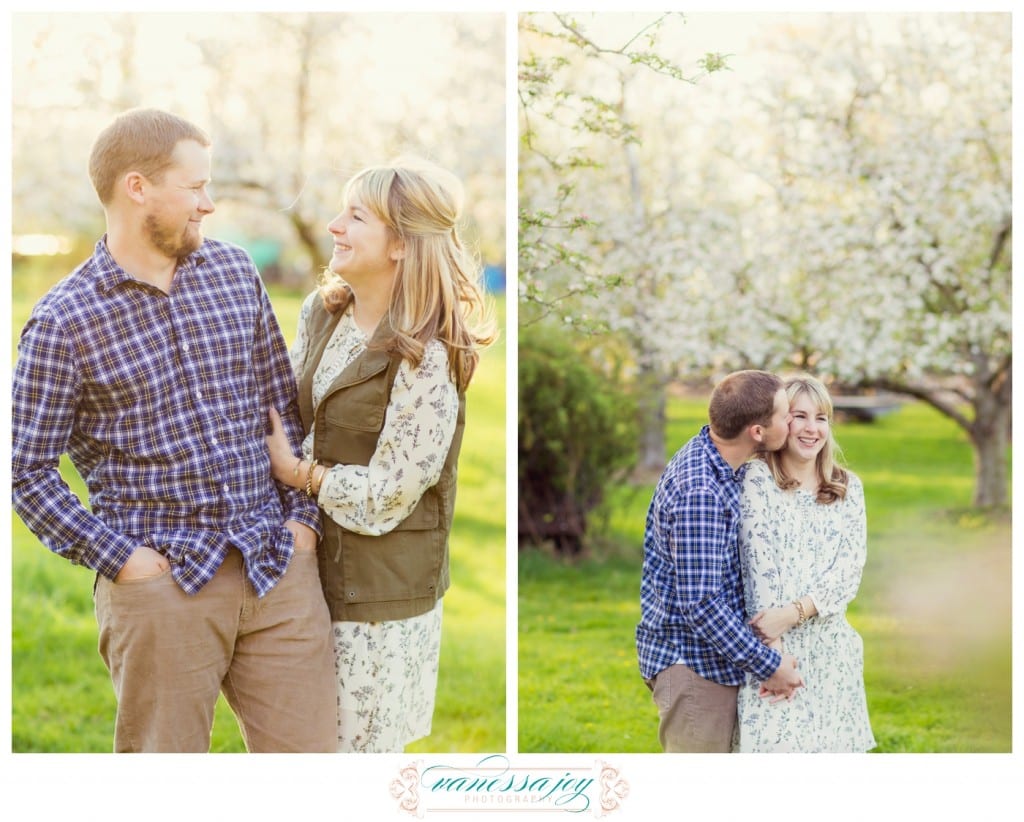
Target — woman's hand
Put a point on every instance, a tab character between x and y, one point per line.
282	459
771	623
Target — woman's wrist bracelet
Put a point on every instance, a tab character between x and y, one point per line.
309	478
318	480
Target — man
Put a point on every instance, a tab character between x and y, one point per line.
693	643
152	366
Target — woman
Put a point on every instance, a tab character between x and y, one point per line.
384	352
802	550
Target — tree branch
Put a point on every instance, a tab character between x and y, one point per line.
926	395
999	243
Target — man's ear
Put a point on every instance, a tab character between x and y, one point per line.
134	185
757	433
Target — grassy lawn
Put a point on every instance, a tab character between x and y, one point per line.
933	608
61	693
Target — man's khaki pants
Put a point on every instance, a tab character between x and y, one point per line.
170	654
697	715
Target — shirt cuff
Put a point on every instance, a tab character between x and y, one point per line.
817	604
303	510
117	549
768	663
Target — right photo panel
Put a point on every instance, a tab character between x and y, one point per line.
764	383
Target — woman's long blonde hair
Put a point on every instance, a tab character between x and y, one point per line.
832	477
437	292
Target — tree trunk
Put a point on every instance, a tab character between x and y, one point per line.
989	431
651	383
651	409
990	438
310	238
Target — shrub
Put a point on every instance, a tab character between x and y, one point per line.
577	435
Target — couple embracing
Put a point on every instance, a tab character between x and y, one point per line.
755	542
299	572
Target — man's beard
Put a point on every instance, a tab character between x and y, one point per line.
167	243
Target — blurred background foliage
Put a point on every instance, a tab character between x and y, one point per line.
295	104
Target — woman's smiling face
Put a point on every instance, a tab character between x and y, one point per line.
808	428
363	246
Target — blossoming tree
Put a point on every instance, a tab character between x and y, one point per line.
884	258
847	210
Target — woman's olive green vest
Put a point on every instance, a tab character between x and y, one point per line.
395	575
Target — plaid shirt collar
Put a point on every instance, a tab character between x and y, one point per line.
721	469
110	275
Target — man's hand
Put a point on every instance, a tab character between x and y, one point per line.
784	682
144	562
305	537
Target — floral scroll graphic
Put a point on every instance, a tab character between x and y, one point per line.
613	789
406	790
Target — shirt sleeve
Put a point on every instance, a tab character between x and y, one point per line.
419	425
759	567
700	539
837	584
46	393
300	345
273	369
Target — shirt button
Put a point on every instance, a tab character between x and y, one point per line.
214	441
226	489
199	395
184	347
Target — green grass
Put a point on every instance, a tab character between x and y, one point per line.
62	700
933	608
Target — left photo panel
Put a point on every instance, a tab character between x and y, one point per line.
258	370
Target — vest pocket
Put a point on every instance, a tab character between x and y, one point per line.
426	514
401	565
356	415
406	567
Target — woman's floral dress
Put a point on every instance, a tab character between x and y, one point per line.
791	546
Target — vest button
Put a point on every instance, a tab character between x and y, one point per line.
351	594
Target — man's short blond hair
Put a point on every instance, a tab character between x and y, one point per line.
742	399
142	140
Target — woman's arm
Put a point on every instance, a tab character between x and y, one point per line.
762	571
300	345
273	369
837	584
771	623
759	567
419	426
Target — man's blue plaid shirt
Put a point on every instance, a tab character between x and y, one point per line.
691	594
161	402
